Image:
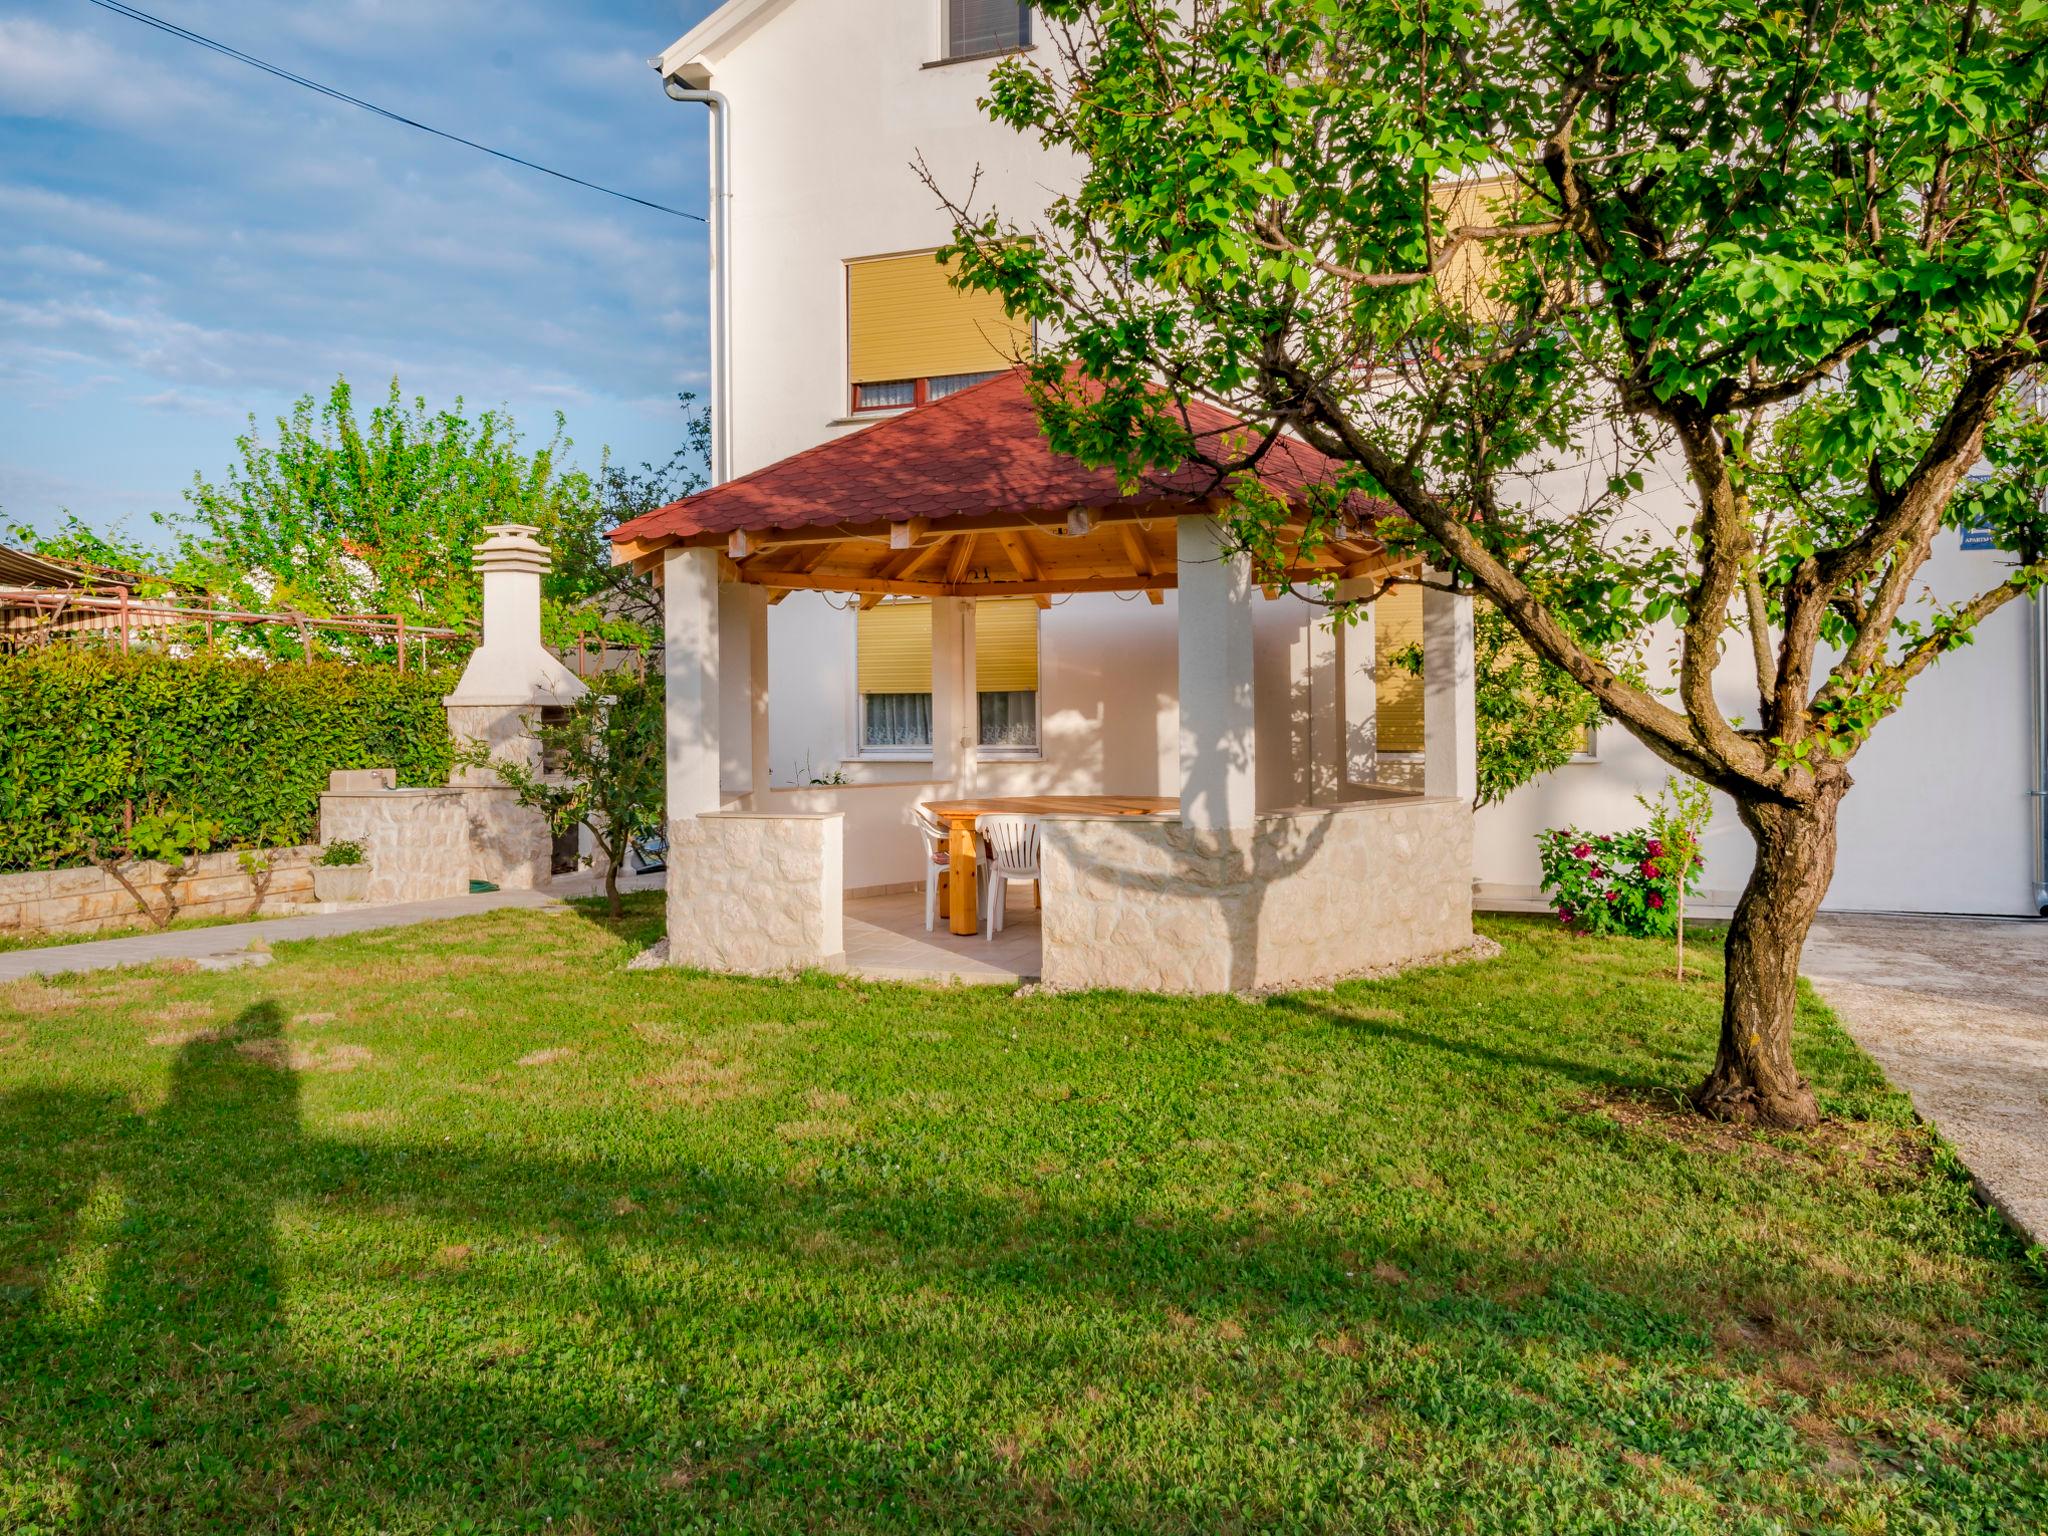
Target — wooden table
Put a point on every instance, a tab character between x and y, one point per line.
960	817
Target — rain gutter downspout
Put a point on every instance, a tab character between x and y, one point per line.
2040	794
721	262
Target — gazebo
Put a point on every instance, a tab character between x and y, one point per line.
960	500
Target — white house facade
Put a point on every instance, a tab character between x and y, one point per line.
831	103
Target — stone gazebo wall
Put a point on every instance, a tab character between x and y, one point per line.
757	893
1304	896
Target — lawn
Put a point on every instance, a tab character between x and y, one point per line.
465	1227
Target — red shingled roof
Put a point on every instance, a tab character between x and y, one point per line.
971	454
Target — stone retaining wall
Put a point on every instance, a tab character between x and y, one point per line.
1305	896
85	900
757	893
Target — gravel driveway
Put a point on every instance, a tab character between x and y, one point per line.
1956	1012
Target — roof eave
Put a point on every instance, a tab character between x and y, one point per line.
685	58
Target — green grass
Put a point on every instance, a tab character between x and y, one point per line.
464	1227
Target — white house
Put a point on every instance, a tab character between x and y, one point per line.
839	319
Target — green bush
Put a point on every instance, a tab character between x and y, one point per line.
244	744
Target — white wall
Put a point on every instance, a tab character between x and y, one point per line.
1109	715
831	103
1938	820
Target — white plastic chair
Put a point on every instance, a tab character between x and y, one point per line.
938	859
1013	855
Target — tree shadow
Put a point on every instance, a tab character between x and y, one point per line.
1374	1026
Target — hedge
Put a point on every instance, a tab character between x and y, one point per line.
247	744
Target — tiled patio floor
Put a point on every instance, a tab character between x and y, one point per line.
885	940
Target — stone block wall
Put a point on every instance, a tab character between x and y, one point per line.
416	840
1305	896
757	893
211	885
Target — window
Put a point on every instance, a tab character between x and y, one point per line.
976	27
1006	676
893	658
901	394
911	337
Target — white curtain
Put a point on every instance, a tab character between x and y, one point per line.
896	720
1009	719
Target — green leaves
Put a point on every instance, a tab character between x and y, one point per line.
207	751
341	511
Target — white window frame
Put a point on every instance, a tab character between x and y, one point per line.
1031	754
948	56
858	750
999	754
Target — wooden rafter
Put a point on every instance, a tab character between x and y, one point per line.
963	555
1026	567
1142	564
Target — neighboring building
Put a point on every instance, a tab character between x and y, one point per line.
839	318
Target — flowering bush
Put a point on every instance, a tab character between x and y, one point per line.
1624	883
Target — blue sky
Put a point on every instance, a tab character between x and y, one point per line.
184	241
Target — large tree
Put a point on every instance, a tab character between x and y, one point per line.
1793	258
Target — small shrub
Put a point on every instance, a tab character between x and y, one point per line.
1622	882
340	854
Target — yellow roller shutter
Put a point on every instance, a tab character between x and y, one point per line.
906	321
896	648
1464	277
1397	625
1006	645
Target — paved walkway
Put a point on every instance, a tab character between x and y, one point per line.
232	944
1956	1012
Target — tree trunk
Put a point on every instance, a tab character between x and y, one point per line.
1754	1078
611	890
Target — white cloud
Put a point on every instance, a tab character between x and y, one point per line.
66	72
58	258
186	403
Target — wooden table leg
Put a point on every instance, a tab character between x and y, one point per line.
962	846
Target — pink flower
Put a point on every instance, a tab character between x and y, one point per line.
1582	852
1599	871
1614	895
1564	914
1657	902
1656	849
1650	871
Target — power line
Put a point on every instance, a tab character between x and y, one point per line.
120	8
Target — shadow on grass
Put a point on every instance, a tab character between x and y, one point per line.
641	921
173	1396
1365	1024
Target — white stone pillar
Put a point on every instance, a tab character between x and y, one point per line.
1450	762
690	671
742	686
953	703
1323	754
1358	683
1218	737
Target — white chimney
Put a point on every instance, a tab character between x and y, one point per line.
512	667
